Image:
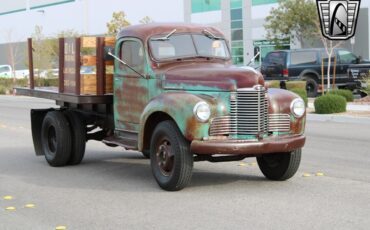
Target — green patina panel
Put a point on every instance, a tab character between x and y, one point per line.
263	2
198	6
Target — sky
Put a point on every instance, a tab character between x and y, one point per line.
84	16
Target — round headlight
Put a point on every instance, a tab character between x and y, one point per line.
298	107
202	111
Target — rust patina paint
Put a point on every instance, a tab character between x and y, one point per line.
174	87
279	102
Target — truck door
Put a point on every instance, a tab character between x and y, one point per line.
344	59
130	89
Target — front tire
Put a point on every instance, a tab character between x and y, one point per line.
280	166
56	139
170	157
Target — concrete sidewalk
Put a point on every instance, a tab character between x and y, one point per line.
341	117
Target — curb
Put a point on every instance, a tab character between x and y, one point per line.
338	118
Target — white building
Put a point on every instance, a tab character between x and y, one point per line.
242	22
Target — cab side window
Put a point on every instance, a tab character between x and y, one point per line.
346	57
132	52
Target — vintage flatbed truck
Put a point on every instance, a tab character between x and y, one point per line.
175	97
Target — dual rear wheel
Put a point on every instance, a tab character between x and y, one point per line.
63	138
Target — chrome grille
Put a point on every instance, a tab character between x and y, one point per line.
279	123
221	126
249	111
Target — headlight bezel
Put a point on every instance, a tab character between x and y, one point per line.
196	111
293	107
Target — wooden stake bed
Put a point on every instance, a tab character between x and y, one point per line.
76	85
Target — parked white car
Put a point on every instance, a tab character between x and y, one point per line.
6	71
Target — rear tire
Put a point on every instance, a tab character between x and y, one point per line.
280	166
170	157
311	87
56	139
78	131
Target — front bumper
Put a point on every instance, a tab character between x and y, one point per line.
277	144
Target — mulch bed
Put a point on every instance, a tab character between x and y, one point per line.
363	101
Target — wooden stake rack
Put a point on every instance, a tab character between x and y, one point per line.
71	79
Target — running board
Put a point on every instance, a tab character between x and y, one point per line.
127	140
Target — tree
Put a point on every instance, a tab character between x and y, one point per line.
329	46
117	22
294	19
43	53
146	20
13	54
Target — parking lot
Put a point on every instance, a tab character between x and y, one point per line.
114	189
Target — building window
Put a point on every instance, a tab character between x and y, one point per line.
237	35
236	14
237	47
198	6
236	24
266	46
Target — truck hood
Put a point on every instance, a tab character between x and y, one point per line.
210	77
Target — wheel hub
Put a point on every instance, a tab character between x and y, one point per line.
165	157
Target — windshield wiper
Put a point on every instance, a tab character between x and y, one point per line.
211	35
165	38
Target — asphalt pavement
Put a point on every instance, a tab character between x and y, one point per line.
114	189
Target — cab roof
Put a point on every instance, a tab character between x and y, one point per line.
145	31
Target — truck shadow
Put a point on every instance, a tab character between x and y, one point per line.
119	172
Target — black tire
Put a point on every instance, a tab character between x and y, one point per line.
311	87
78	133
56	139
170	157
146	154
280	166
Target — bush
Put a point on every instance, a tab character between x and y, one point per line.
296	85
273	84
302	93
347	94
2	90
330	103
289	84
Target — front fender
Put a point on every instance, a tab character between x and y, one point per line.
279	103
179	106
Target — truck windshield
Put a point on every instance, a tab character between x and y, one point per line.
188	46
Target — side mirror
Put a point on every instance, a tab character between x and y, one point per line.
107	50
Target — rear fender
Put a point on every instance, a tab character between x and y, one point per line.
37	117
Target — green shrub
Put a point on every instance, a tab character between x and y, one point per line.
302	93
289	84
347	94
2	90
45	82
330	103
273	84
296	85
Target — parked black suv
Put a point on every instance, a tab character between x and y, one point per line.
305	64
